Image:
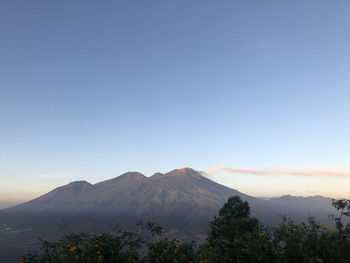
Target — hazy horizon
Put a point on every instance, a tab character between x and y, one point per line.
90	90
221	178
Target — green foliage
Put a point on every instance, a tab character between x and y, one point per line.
170	251
308	242
233	237
233	220
343	206
118	246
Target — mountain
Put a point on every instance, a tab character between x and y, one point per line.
299	207
183	201
178	192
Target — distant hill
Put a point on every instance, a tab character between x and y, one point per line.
299	207
183	201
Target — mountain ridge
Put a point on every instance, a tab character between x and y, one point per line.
161	189
132	192
182	201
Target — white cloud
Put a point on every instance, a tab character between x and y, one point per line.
341	172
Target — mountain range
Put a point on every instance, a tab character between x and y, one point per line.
182	201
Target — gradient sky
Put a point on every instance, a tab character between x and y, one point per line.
91	89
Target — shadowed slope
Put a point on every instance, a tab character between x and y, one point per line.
182	194
182	201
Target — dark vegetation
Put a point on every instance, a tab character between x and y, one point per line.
181	201
233	236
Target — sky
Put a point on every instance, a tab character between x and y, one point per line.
91	89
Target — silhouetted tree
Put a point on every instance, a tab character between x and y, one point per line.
343	206
236	237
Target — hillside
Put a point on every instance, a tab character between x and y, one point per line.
183	201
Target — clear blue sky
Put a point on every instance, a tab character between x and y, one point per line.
91	89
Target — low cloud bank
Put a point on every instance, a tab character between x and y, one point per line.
341	172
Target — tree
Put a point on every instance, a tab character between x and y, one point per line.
233	237
236	237
233	220
343	206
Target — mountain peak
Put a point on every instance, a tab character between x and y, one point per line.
183	172
133	175
185	169
157	175
82	182
78	186
125	177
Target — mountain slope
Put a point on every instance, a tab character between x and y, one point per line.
182	201
182	194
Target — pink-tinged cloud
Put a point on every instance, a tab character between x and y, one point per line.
341	172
